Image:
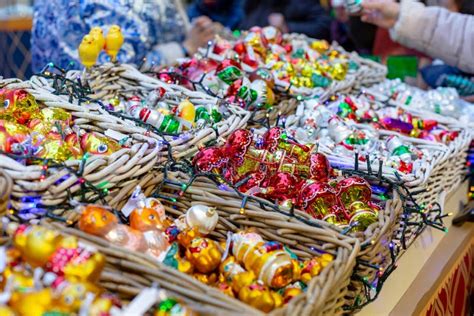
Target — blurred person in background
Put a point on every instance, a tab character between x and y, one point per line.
436	31
157	30
436	74
229	13
300	16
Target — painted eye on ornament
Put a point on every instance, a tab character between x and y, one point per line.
6	104
102	148
68	300
151	217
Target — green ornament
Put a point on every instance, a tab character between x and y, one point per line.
216	116
320	81
299	53
167	305
170	124
351	140
400	150
353	65
344	109
408	100
229	74
202	113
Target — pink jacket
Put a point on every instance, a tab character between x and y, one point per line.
437	32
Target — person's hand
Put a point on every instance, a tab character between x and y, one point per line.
383	13
201	32
278	20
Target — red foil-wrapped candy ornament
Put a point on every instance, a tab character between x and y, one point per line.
208	159
253	180
239	48
279	188
271	138
320	201
237	144
355	194
319	167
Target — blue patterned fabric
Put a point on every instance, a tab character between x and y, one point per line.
59	26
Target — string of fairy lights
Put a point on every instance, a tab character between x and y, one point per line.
413	215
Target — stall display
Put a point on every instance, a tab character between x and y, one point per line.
268	173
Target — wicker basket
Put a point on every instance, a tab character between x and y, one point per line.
325	294
6	186
115	258
110	172
109	81
375	240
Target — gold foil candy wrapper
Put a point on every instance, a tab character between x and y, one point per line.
54	149
56	114
260	297
18	106
99	145
320	46
338	71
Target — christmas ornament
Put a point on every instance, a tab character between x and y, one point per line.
88	51
202	217
113	41
62	281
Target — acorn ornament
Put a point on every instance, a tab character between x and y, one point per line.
113	41
88	51
202	217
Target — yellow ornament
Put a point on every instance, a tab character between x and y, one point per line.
98	36
88	51
231	271
18	279
74	293
187	112
225	288
320	46
33	303
270	263
291	292
260	297
339	71
208	279
204	254
307	71
312	268
37	244
113	41
185	266
101	306
6	311
89	269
